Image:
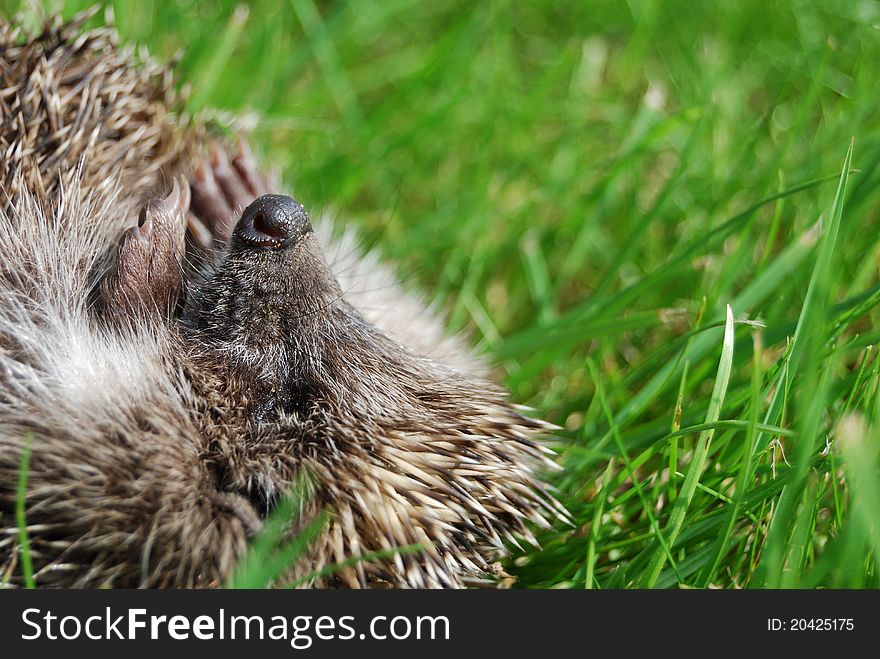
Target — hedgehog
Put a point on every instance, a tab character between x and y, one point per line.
180	345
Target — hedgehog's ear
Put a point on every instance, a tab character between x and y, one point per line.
147	276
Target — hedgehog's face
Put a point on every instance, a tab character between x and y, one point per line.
270	321
285	367
271	318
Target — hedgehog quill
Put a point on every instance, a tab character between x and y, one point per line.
179	343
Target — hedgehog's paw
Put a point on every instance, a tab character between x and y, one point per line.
241	508
147	274
221	190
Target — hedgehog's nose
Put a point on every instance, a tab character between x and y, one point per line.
272	221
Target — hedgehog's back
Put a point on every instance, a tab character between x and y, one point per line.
72	101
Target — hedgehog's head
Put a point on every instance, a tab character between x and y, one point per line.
266	311
271	317
289	368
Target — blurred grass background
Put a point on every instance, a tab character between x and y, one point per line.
584	187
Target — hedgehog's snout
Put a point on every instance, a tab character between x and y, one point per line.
271	222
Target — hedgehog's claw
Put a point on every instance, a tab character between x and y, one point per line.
147	274
221	190
198	232
230	181
210	205
169	210
242	509
178	200
246	166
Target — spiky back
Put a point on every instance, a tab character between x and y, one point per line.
77	105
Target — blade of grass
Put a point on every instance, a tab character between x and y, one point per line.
601	497
806	343
631	469
701	451
744	474
798	549
856	442
27	567
207	75
269	557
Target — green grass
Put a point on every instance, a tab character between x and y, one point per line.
27	568
271	552
585	188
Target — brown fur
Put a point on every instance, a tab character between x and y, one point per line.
169	408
